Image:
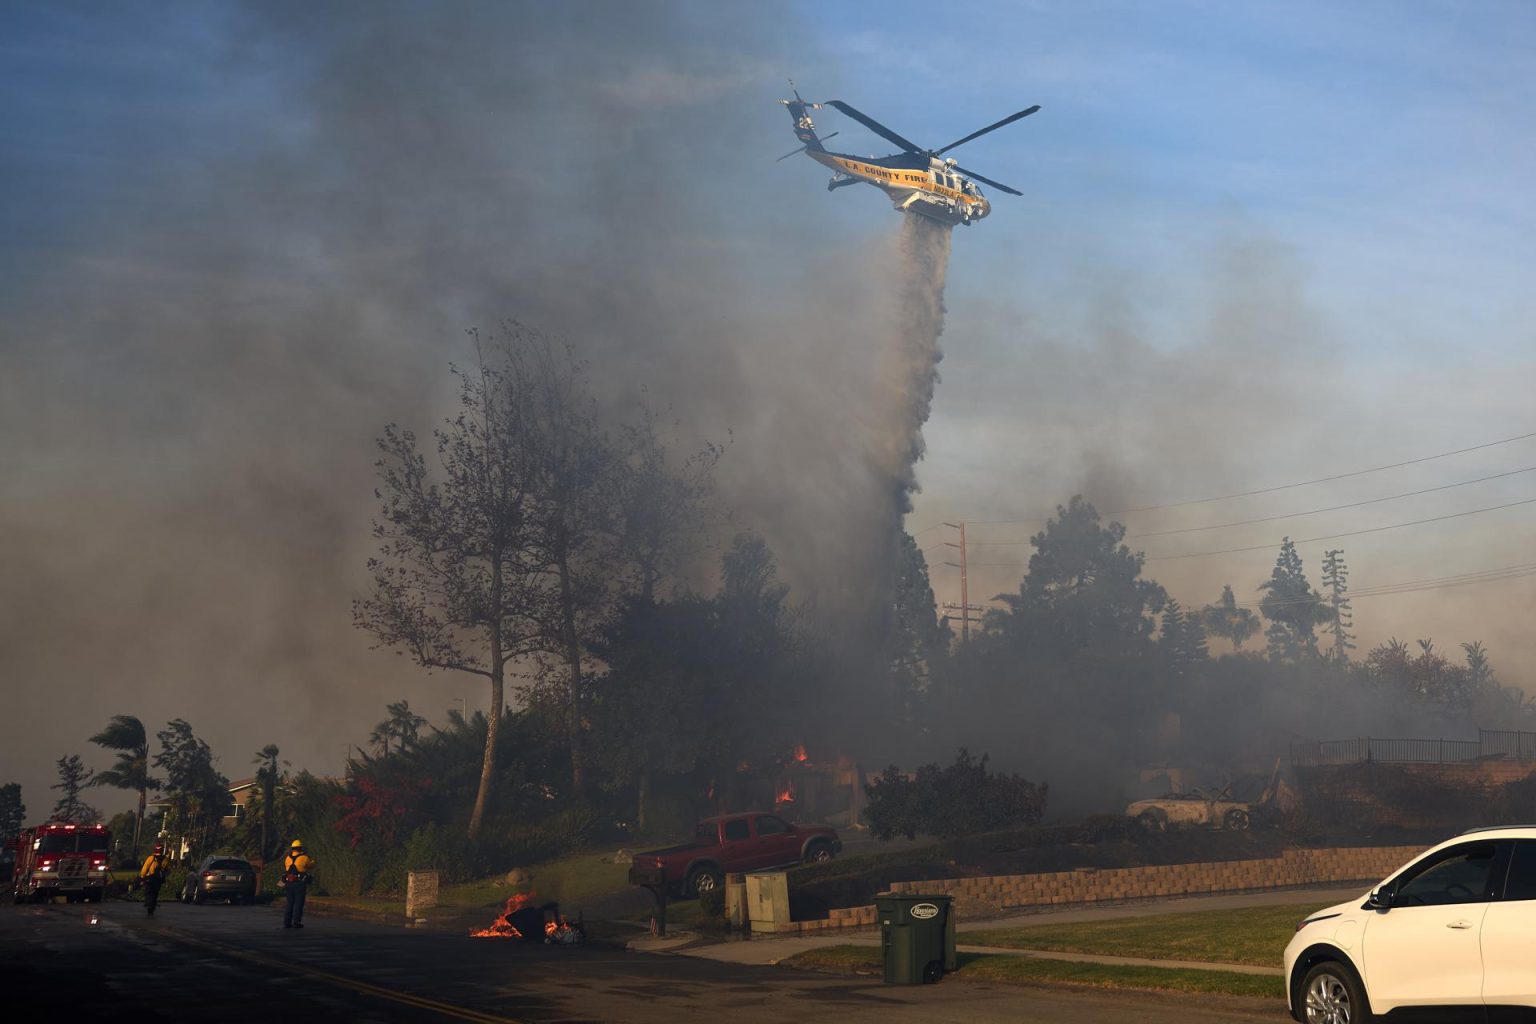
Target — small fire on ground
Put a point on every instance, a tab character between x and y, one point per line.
520	919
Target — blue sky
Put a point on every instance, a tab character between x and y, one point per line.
1389	144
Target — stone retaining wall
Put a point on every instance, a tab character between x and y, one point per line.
1104	885
987	896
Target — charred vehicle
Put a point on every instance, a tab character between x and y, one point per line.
1176	809
732	843
1214	808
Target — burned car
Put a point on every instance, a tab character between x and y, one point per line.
1215	808
1212	811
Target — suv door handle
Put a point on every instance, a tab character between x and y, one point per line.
1460	924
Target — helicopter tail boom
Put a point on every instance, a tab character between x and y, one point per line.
805	128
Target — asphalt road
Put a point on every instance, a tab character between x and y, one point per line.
233	964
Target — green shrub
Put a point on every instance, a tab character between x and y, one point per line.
175	882
960	800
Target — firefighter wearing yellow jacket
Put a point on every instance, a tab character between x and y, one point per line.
152	877
297	868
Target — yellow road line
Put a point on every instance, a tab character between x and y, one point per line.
394	995
406	998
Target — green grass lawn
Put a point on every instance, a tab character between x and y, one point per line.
1017	970
1253	935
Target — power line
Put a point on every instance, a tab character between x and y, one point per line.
1290	515
1347	533
1277	487
1507	572
1310	540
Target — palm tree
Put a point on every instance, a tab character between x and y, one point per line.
125	734
380	737
404	723
268	775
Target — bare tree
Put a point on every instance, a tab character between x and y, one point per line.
454	586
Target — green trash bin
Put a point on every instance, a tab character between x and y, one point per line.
917	937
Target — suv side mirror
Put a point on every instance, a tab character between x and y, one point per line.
1380	899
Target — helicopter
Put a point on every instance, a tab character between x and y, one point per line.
918	180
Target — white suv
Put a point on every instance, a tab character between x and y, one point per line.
1451	934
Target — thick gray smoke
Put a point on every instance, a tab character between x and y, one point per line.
192	376
922	263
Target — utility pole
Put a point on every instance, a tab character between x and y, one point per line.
965	608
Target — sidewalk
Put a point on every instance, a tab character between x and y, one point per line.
772	949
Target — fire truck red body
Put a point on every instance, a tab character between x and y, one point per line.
58	859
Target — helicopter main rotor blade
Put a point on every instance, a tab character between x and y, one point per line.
988	181
875	126
989	128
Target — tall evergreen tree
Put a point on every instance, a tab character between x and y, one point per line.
1084	588
1226	620
1336	586
1292	607
125	734
74	776
1182	640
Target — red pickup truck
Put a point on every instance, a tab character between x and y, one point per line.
734	842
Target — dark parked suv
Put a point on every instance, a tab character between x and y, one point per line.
221	878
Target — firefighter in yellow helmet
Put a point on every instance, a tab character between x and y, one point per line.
152	877
297	868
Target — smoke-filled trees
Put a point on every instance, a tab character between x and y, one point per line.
662	509
1084	586
695	685
1293	608
575	474
454	584
74	776
522	539
1226	620
1182	640
916	636
126	735
13	813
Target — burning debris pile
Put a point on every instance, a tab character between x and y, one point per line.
520	919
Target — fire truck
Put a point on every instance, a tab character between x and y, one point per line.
59	859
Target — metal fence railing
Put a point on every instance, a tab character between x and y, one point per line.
1503	743
1400	751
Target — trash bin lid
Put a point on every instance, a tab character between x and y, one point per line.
908	907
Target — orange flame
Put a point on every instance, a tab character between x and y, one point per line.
800	754
502	927
786	795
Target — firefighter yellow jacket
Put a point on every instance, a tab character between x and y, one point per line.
154	866
303	863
